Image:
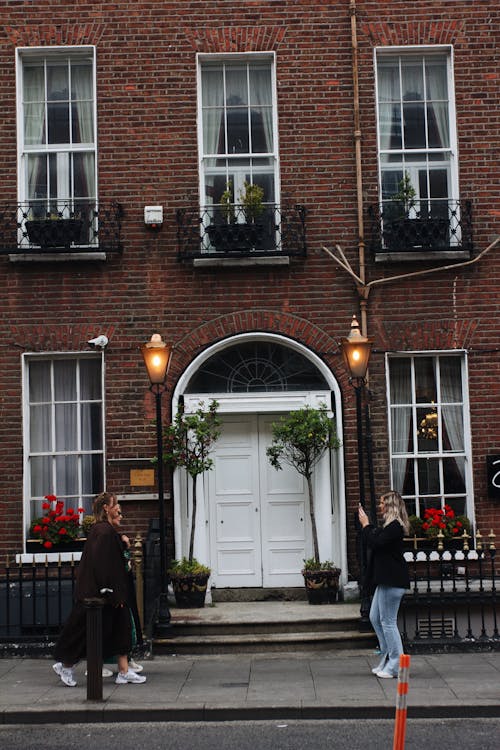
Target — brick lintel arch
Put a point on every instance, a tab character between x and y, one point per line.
228	326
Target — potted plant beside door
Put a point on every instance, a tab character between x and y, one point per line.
300	440
187	444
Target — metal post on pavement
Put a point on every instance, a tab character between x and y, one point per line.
94	648
401	703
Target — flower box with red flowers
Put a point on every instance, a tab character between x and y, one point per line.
439	523
58	528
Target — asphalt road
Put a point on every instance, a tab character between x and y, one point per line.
377	734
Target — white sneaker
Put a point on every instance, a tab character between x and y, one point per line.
105	672
134	666
123	677
67	676
57	667
385	675
380	666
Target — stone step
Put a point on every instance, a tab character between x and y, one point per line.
253	626
267	642
197	628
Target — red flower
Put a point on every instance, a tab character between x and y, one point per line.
37	529
47	544
51	498
62	531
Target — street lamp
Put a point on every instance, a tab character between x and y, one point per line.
156	355
356	350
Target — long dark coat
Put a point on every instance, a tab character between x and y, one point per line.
102	566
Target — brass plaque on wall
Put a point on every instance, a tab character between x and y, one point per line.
142	477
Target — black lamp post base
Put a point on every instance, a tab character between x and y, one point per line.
163	627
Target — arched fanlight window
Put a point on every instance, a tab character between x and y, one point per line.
256	366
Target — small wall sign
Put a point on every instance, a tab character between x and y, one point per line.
493	469
142	477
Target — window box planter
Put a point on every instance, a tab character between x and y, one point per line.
236	237
76	545
417	234
54	232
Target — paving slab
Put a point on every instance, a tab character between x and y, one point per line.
255	686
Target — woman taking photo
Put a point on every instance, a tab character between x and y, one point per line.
387	571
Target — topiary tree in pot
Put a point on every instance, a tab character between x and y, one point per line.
300	440
187	444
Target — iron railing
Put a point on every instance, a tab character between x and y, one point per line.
428	226
453	602
36	598
208	232
61	227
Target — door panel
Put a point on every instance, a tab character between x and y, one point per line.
258	525
284	525
234	505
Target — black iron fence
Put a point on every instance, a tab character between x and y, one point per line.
429	226
36	599
59	226
208	232
453	602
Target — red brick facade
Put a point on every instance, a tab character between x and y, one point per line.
148	154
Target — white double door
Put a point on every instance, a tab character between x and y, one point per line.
258	517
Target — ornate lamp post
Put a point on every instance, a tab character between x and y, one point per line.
356	350
156	355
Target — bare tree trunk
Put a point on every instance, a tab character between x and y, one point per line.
193	520
313	519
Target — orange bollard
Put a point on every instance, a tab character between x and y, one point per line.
400	722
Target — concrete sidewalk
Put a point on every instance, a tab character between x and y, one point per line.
322	685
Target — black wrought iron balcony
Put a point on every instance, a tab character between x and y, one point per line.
215	231
60	227
430	226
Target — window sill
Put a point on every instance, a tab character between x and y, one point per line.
51	557
211	262
429	255
55	257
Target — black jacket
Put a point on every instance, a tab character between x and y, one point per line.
386	564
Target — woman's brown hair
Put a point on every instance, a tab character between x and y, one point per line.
105	498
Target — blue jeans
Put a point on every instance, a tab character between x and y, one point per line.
384	619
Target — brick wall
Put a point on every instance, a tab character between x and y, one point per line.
147	147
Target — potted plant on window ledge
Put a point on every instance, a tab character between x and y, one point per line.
240	229
55	230
300	440
58	530
187	444
406	229
438	527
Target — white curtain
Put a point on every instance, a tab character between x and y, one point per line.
35	131
261	97
452	411
400	385
437	104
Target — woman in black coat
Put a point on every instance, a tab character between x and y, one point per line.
101	573
388	572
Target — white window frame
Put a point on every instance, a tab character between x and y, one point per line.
51	357
409	163
415	455
65	194
247	58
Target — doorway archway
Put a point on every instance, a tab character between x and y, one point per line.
252	526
